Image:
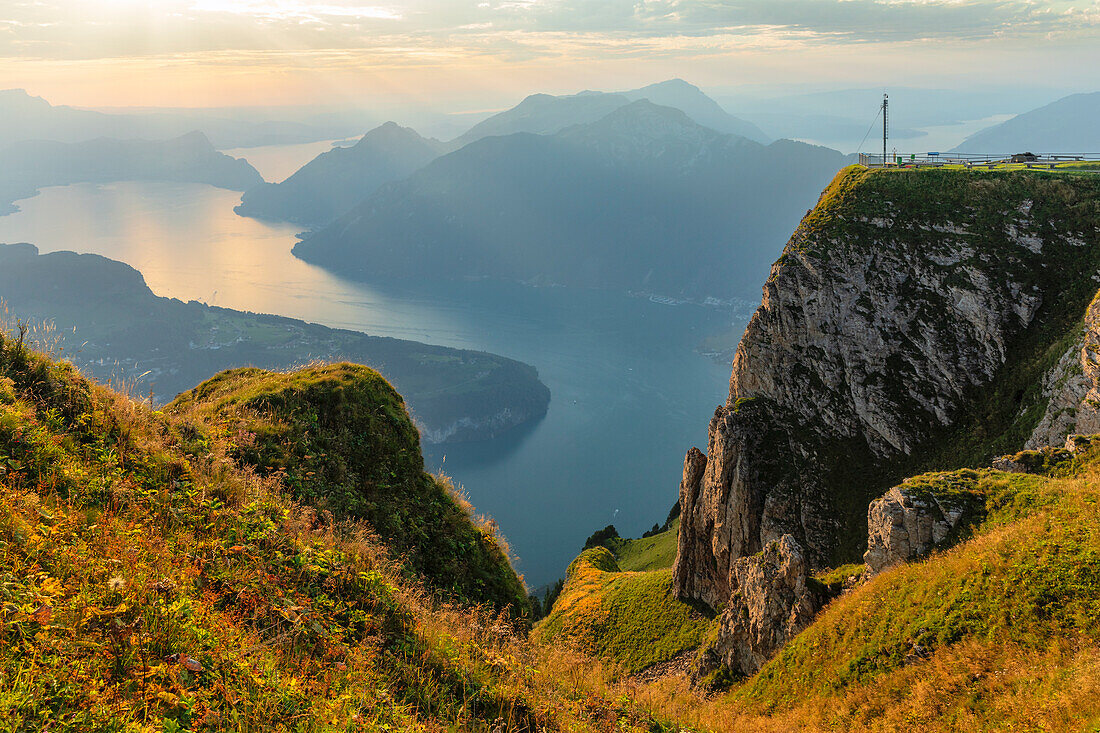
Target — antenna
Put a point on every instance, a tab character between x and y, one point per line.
885	125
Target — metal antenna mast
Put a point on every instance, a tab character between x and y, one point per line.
885	109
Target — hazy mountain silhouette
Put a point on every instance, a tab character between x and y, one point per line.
332	183
698	106
642	199
30	165
544	114
24	117
1068	125
336	180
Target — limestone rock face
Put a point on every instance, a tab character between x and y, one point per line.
772	600
887	314
904	525
696	574
1073	388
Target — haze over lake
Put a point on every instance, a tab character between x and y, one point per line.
629	393
276	163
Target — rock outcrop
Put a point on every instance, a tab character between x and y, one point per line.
904	525
696	572
1042	461
1073	388
1080	444
773	598
883	337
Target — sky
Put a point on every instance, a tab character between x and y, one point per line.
474	54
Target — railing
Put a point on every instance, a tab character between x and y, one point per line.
967	160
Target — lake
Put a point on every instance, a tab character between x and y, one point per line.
629	393
936	138
276	163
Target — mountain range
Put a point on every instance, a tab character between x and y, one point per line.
544	114
644	199
336	180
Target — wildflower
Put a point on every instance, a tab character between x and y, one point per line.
116	584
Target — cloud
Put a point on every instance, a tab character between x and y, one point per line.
294	10
79	29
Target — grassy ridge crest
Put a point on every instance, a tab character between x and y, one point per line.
630	617
338	436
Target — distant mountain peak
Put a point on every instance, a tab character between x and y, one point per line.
643	116
676	83
536	97
388	131
1067	125
337	179
391	135
544	114
645	133
194	142
646	113
195	136
23	98
698	106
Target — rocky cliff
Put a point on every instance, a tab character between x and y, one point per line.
915	318
1073	388
908	523
773	599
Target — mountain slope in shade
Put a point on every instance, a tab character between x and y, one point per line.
698	106
30	165
1066	126
643	199
544	114
336	180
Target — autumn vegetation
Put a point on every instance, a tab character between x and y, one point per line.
158	574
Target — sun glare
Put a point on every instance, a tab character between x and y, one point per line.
289	9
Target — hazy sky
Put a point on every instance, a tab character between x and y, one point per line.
486	52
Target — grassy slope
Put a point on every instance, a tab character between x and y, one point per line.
618	604
647	553
1000	632
147	583
339	438
307	627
